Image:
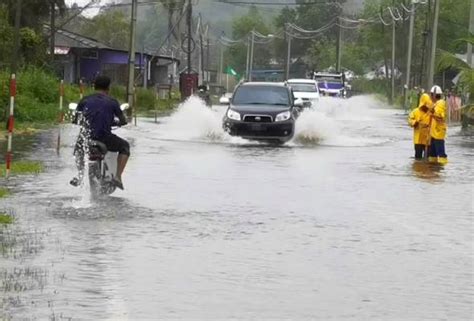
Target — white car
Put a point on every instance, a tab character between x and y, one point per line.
306	89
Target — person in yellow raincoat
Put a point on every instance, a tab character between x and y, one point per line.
438	128
419	119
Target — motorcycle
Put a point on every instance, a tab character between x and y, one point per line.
102	164
203	93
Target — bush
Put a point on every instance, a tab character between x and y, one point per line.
37	97
30	109
119	93
37	83
146	99
366	86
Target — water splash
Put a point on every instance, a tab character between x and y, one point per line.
333	122
338	122
193	120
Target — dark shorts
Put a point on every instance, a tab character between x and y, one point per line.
116	144
437	148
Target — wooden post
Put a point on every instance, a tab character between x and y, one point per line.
10	124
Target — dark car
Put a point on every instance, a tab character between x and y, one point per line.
262	111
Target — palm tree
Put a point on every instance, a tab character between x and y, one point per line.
447	60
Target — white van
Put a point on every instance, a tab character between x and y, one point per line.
306	89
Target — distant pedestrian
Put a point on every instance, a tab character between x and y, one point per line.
438	127
419	119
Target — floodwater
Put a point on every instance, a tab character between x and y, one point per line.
338	224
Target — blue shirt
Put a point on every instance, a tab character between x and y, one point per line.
99	112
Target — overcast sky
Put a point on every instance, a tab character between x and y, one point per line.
91	12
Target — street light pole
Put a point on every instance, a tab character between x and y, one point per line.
410	48
251	55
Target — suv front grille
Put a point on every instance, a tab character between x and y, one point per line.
258	118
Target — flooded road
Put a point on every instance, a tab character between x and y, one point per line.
339	224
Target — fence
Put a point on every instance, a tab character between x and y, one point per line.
454	104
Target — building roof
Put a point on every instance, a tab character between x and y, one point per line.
64	38
69	39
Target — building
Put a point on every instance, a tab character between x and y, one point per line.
79	57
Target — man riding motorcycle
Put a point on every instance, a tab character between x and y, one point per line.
203	93
96	114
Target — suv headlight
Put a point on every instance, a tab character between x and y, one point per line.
233	114
283	116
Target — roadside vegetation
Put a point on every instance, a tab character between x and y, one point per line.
37	101
4	192
6	219
23	168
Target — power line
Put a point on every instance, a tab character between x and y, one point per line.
259	3
118	5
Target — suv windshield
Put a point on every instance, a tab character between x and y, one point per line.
329	79
261	95
302	87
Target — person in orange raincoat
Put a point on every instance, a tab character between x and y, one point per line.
419	119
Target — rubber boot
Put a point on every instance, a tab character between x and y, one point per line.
443	160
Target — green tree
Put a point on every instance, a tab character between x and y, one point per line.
6	37
236	55
34	12
110	27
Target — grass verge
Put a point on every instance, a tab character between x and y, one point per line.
23	168
6	219
4	192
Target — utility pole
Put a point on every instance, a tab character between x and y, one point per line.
53	32
406	88
201	50
288	58
248	59
392	71
251	55
425	58
16	47
339	45
189	22
131	59
433	45
221	63
208	68
471	31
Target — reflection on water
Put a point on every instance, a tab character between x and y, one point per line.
426	170
213	227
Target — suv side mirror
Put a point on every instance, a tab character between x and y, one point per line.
298	102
